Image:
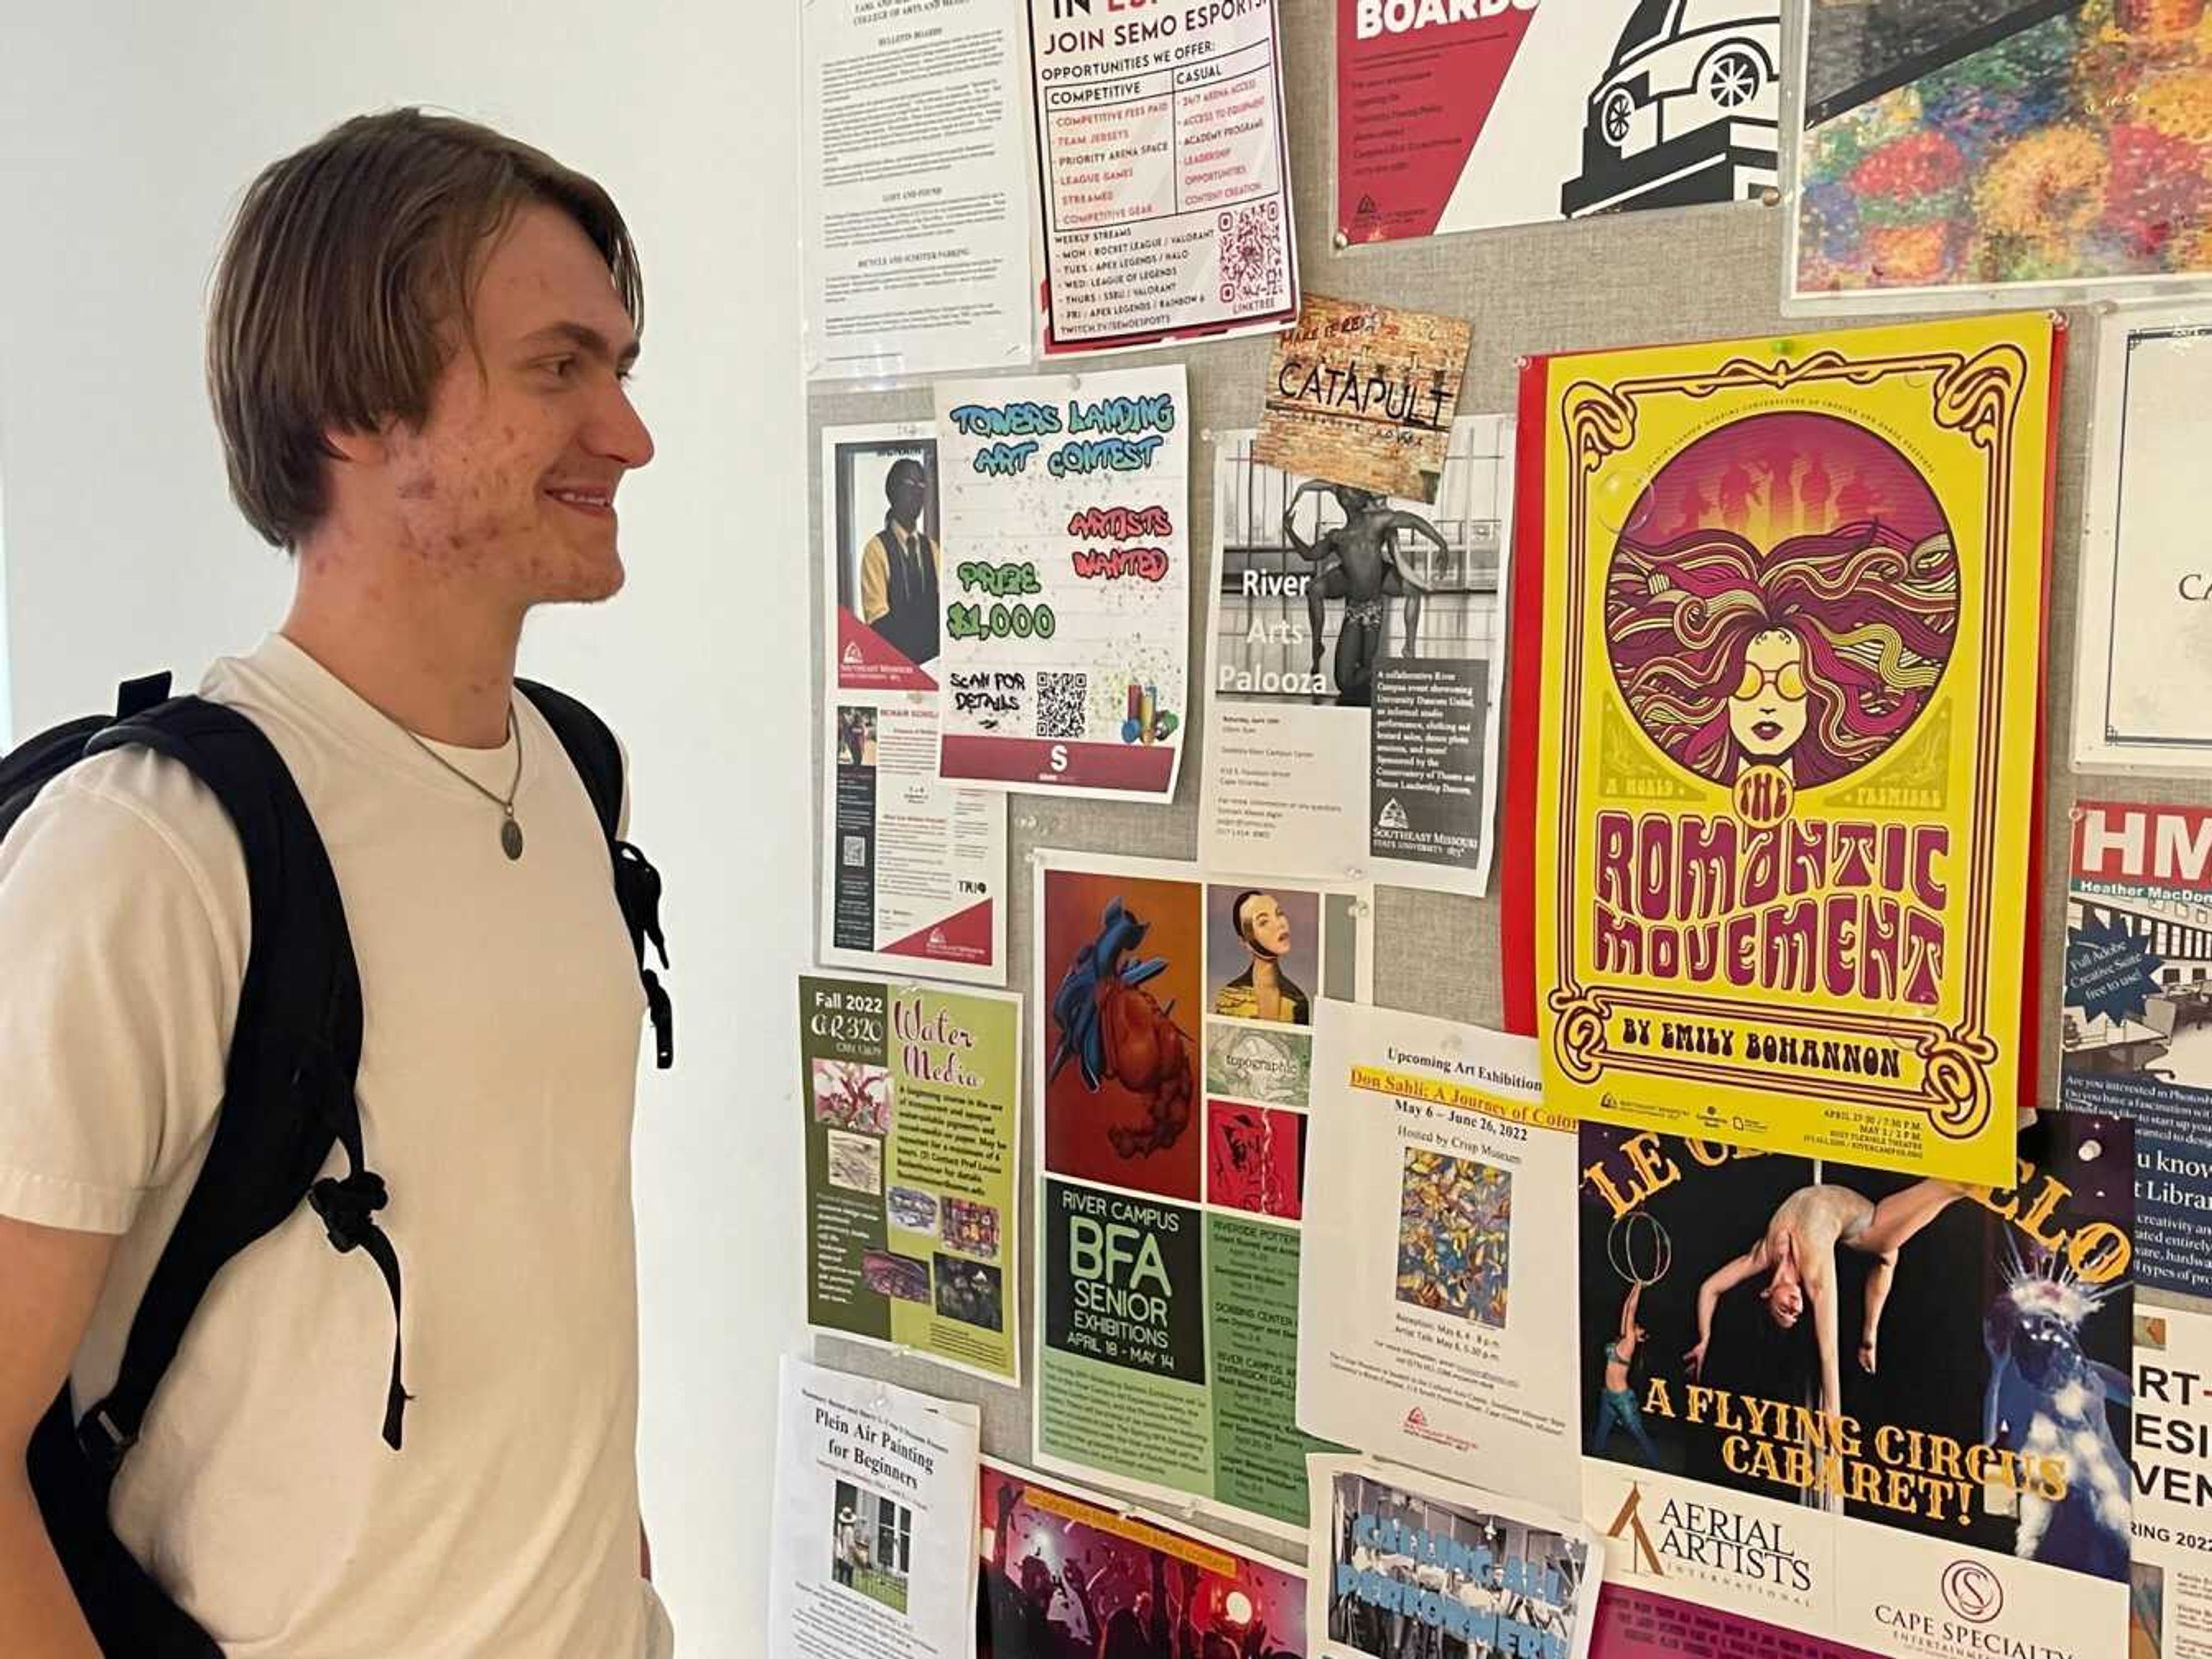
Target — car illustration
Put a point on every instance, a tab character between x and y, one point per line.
1687	111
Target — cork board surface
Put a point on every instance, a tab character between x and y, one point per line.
1638	279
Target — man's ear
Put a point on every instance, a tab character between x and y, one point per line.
358	447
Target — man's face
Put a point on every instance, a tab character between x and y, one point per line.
908	488
508	485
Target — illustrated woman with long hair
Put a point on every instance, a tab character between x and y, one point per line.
1812	657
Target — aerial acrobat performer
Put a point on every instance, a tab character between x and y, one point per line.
1798	1253
1358	563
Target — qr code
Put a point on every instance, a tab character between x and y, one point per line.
1252	263
1060	698
856	851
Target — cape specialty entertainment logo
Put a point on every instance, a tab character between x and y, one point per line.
1712	1544
1972	1591
1966	1626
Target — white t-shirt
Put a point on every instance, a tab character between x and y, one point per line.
502	1014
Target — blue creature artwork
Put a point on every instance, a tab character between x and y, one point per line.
1113	1029
2048	1401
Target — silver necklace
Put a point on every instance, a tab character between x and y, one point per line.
510	832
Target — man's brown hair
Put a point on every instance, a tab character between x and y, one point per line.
345	285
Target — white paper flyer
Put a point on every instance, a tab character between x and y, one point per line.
914	872
1437	1296
874	1539
916	233
1165	206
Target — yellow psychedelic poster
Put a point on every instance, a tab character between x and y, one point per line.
1775	770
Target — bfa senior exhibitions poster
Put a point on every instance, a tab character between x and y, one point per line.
1777	759
1358	667
1436	1299
1174	1060
2135	1034
1465	114
914	872
1064	614
912	1096
875	1521
1066	1573
1854	1402
1165	214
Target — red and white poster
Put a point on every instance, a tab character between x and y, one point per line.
1468	114
913	871
1165	205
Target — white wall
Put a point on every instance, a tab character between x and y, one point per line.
126	132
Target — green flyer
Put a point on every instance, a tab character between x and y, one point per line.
912	1096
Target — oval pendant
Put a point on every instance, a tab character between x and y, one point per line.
510	840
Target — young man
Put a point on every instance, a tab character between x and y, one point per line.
419	334
898	567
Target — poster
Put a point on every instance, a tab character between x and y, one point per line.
1468	114
1357	669
1406	1564
1955	146
2143	688
914	872
1887	1410
1436	1307
1364	395
1781	743
2135	1035
875	1520
912	1094
1064	617
916	231
1166	202
1173	1058
2170	1585
1067	1572
1634	1623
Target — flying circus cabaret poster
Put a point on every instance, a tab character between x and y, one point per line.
1887	1409
1774	766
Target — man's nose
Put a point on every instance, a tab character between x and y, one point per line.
618	432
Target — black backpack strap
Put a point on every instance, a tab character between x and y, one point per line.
598	758
289	1082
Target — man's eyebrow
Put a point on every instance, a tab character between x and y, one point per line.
584	338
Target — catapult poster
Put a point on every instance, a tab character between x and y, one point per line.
1176	1024
1775	764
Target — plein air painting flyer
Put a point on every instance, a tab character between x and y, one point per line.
1777	736
1174	1049
875	1521
912	1096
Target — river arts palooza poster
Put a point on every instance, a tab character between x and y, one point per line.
1773	761
1851	1402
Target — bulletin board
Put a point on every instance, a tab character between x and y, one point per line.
1626	280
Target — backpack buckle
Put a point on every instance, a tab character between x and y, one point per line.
102	1440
